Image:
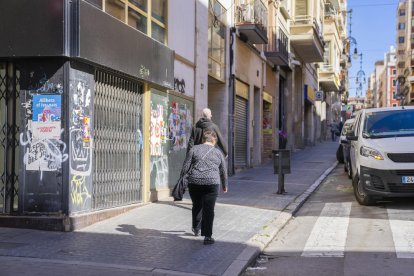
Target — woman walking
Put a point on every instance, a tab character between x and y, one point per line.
206	170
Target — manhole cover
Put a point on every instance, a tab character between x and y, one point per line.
11	245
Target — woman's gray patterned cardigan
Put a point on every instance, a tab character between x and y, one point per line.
209	171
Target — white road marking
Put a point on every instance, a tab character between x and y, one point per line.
402	226
328	236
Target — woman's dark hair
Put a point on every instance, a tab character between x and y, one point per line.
209	136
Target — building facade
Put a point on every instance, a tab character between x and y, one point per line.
405	54
333	70
99	110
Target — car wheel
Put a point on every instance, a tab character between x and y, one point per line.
349	168
360	194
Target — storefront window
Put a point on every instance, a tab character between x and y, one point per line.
116	8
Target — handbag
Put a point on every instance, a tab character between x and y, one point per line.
182	183
179	188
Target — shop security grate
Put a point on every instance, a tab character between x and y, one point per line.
9	136
117	141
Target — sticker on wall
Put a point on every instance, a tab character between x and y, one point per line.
86	135
49	130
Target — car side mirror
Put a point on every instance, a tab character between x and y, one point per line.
350	136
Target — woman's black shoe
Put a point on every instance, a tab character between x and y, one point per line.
208	240
196	232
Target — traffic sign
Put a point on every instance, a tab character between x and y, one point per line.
318	95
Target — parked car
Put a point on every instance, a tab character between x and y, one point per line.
345	146
382	154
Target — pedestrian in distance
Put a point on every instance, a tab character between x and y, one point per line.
206	170
205	123
340	126
334	130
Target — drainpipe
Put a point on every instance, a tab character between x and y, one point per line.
232	99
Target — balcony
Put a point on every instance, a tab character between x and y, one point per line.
306	38
277	49
401	61
251	21
329	78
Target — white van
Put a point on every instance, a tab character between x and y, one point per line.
382	154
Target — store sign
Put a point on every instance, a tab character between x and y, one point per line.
309	94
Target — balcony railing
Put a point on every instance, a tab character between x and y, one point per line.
285	8
308	20
327	68
277	48
251	20
330	78
330	11
253	11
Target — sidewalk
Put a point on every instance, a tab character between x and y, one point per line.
156	239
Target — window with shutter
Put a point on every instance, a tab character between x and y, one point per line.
301	7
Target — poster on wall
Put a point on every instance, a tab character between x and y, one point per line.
170	127
179	122
157	130
46	122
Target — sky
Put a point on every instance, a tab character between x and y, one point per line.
374	25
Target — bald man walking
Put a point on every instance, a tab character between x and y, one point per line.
205	123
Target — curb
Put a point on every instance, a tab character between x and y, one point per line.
261	240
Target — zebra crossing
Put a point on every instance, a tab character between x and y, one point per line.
339	229
402	228
328	236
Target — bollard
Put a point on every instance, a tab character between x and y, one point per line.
281	166
281	176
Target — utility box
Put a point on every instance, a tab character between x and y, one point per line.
284	154
281	166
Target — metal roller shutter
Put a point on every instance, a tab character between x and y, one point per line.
240	140
117	152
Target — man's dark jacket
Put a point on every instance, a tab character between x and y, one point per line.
197	134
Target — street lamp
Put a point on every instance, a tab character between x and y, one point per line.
351	41
360	79
355	55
